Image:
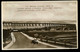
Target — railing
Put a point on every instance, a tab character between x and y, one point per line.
63	42
53	31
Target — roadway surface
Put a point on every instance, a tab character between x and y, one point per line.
24	42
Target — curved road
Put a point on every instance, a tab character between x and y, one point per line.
23	42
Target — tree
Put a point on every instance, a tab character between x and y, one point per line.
40	36
47	38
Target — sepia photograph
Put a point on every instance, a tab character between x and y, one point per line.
39	25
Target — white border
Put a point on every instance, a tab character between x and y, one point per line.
38	48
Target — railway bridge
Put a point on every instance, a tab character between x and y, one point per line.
38	25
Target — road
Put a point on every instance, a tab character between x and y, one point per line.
24	42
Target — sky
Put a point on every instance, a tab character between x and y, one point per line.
55	11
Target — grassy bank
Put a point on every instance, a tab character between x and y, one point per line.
6	37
